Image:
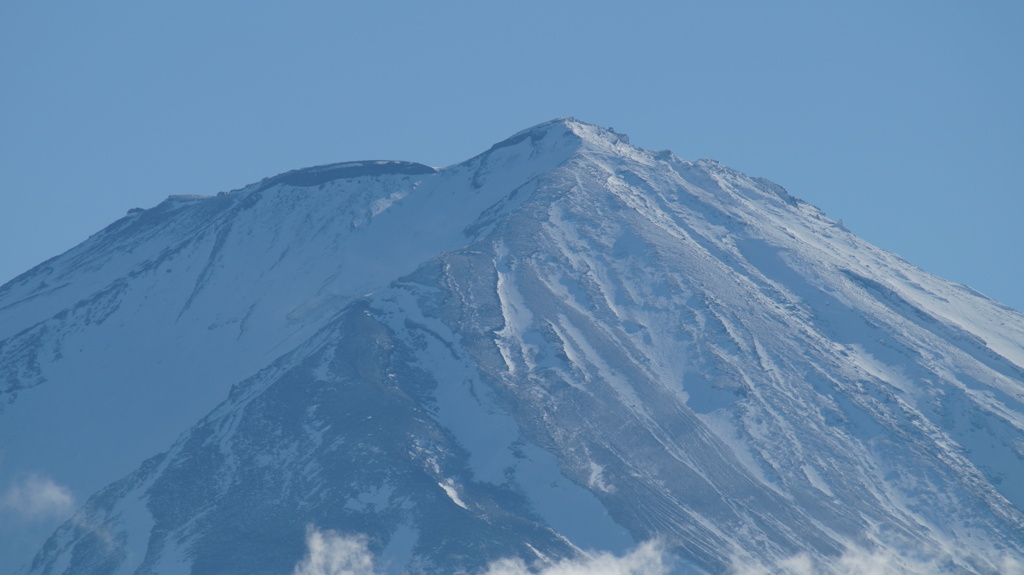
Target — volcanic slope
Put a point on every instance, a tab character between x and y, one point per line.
566	344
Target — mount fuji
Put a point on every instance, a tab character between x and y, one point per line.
567	354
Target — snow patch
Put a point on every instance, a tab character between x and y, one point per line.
816	480
453	493
597	481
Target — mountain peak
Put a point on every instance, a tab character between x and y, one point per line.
565	343
566	127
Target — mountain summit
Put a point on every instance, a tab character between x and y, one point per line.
566	348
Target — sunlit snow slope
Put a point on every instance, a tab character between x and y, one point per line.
564	344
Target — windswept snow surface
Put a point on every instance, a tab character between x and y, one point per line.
565	344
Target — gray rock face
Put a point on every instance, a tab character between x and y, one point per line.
563	346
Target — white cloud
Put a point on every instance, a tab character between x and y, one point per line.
857	561
331	553
36	497
1011	566
853	562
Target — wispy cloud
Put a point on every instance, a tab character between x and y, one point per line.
38	497
862	562
330	553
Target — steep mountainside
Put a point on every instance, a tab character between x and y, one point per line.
566	344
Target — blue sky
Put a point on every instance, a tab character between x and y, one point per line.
902	118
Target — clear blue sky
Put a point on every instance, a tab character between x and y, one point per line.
905	119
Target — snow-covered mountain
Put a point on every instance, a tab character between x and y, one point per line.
564	346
